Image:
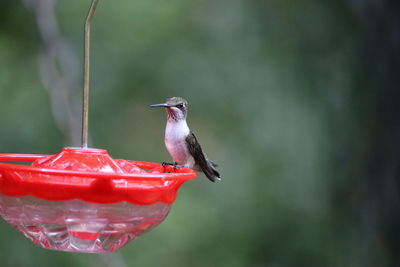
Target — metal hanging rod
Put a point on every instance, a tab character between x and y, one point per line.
86	74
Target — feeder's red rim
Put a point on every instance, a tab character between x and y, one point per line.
178	174
155	184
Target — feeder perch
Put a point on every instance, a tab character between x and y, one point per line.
82	200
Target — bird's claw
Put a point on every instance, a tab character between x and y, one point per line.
164	164
175	165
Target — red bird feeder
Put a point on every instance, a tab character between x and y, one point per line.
82	200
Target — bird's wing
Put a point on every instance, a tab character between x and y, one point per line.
199	157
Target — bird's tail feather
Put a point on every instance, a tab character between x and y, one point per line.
215	165
211	173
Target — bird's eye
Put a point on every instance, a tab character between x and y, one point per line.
179	105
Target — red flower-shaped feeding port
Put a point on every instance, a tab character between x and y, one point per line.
82	200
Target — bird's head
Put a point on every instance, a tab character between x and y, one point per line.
177	108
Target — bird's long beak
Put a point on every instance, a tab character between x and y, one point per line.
163	105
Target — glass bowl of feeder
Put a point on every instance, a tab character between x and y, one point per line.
82	200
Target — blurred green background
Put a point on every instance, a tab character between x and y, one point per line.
297	101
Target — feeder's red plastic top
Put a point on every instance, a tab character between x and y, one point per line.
90	175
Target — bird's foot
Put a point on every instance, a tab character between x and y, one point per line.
164	164
175	165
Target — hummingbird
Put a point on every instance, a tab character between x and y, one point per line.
181	142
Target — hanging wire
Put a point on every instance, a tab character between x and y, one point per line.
86	74
57	65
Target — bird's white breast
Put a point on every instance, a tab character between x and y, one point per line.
175	141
